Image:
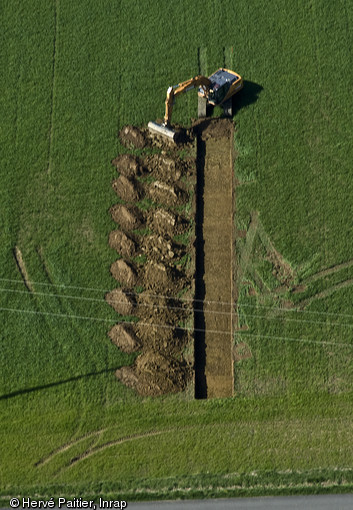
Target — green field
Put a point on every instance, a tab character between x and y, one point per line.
73	74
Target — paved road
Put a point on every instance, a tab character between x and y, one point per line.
321	502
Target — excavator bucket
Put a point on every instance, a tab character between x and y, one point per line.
159	129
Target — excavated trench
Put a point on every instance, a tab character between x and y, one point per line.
199	316
183	335
214	260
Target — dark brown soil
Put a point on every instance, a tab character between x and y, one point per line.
123	336
128	218
158	248
127	189
161	338
161	309
167	194
124	273
163	279
121	301
132	136
214	128
166	223
154	374
123	244
127	165
163	167
161	367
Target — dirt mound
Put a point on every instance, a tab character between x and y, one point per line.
154	374
124	273
122	302
158	248
163	279
214	128
167	340
127	189
127	217
132	136
160	309
122	243
160	179
166	223
127	375
127	165
166	194
123	336
163	167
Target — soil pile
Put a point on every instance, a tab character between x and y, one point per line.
153	192
122	243
128	218
123	336
121	301
126	188
132	136
128	165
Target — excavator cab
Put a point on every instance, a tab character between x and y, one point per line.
224	84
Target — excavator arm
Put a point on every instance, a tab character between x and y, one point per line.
176	90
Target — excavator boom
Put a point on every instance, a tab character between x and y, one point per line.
172	92
216	90
185	86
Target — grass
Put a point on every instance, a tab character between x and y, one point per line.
75	74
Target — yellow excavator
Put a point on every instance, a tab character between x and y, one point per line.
216	90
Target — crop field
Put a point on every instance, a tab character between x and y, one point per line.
75	73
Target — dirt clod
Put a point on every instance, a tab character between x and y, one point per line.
127	218
127	189
127	165
163	168
128	377
124	273
166	223
132	136
154	374
121	301
161	278
120	242
158	248
167	340
123	336
166	194
162	179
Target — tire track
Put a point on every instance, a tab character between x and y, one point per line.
22	268
329	271
110	444
67	446
52	96
246	251
326	292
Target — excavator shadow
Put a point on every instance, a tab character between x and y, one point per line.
247	96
